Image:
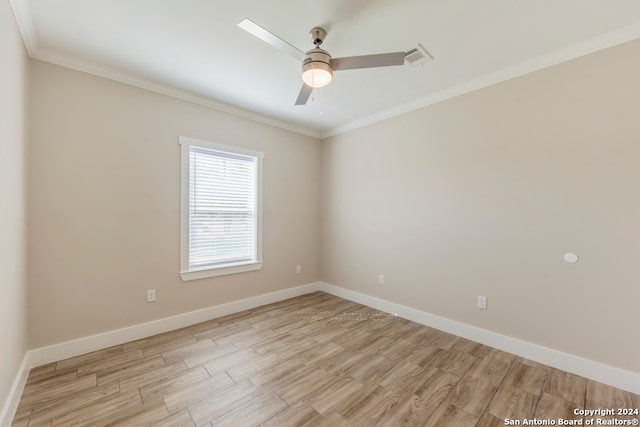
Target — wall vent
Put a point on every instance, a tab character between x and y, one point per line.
417	56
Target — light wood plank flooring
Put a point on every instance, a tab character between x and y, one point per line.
315	360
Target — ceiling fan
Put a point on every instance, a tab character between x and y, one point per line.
317	65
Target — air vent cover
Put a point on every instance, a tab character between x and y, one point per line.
417	56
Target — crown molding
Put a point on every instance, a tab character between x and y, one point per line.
614	38
25	24
24	20
90	67
29	35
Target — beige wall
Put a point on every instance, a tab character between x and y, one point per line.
14	74
484	193
105	201
478	195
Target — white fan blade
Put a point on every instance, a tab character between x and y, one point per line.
305	92
368	61
268	37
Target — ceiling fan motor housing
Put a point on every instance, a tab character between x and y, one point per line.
317	55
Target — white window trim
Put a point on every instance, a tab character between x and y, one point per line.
185	273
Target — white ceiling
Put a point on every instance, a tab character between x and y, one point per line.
194	50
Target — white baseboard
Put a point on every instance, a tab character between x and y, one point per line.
56	352
53	353
596	371
616	377
11	404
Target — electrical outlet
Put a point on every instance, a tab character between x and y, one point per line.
298	269
482	303
381	279
151	295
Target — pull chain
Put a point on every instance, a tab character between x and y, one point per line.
319	98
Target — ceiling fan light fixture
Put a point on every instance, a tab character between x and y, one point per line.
316	69
317	74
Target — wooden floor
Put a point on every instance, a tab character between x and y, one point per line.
315	360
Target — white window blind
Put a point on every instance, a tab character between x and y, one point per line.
223	208
222	218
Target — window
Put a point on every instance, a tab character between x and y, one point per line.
221	215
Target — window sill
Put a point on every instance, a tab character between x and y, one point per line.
220	271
